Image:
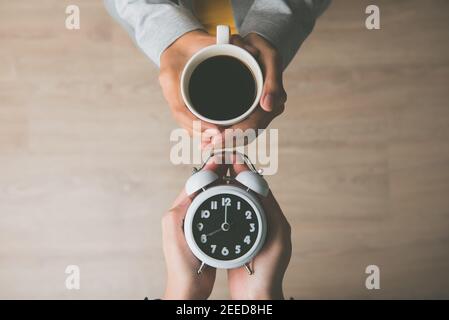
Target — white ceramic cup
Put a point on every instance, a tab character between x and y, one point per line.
222	48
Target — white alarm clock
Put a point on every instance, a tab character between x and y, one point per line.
225	225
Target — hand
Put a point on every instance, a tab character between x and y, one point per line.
183	281
272	102
271	262
173	60
273	93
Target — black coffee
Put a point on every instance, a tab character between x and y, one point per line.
222	88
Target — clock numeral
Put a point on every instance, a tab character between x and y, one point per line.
238	205
247	240
238	249
249	215
200	226
213	247
203	238
214	205
205	214
252	227
224	251
225	202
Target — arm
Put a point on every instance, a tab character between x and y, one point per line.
169	35
285	23
153	24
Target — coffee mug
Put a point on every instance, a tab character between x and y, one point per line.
222	83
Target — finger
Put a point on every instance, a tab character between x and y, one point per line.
169	82
181	201
193	125
259	119
210	134
209	140
216	142
233	162
206	146
240	42
188	120
247	131
238	168
217	164
273	93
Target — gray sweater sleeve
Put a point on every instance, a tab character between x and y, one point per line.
153	24
285	23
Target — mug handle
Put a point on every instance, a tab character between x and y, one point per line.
223	33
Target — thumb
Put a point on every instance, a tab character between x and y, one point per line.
273	93
181	204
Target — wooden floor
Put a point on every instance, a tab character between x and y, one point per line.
364	155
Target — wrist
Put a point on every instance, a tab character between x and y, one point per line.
258	41
188	41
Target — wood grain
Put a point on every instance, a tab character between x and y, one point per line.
364	155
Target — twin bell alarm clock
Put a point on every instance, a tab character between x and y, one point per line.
225	224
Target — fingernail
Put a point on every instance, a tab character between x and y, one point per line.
208	134
204	145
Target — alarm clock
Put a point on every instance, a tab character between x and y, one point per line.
225	224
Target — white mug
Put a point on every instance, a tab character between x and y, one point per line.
223	47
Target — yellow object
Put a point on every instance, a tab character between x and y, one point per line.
214	12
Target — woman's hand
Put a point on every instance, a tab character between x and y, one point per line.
183	281
271	262
273	93
274	97
173	60
269	265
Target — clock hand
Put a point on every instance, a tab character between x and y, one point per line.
218	230
226	214
214	232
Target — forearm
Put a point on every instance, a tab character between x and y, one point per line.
286	26
153	25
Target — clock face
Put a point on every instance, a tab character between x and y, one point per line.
225	226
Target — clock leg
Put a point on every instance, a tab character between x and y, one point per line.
248	268
201	268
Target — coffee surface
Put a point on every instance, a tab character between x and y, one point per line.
222	88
